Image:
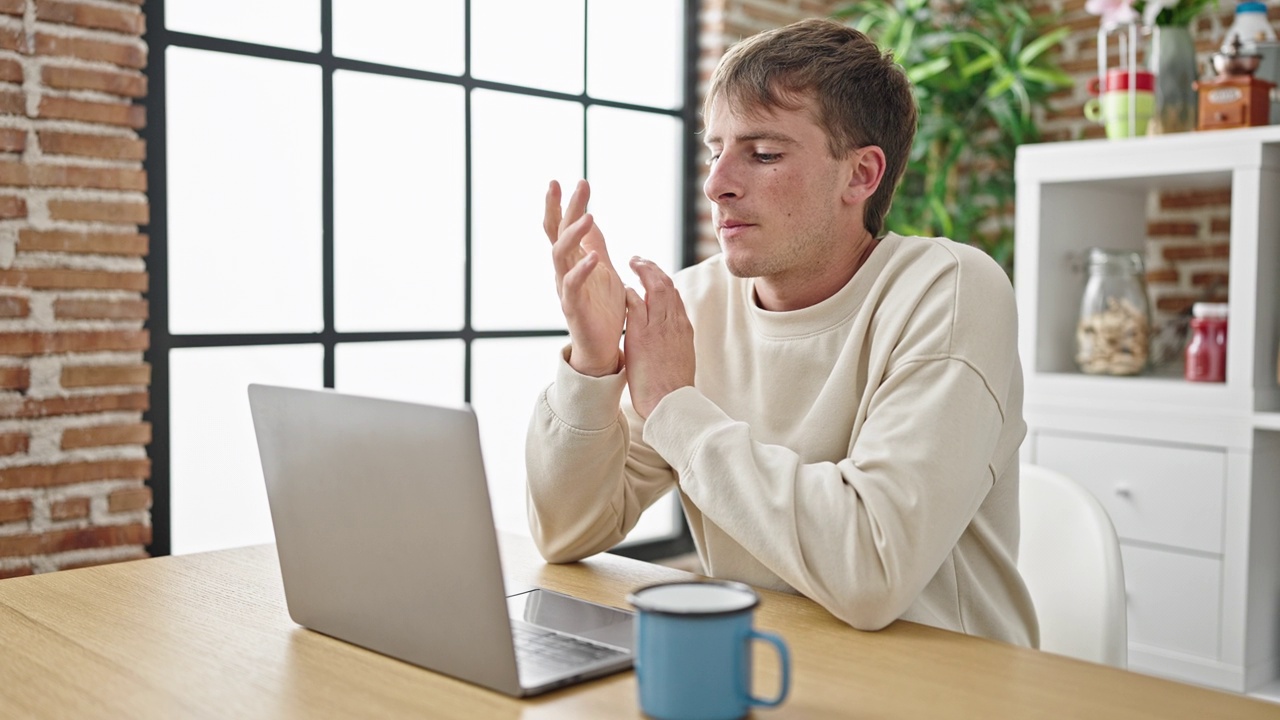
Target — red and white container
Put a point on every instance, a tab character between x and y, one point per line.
1207	351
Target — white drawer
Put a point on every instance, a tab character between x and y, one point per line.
1154	493
1173	600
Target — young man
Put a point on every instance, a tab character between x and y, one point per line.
840	409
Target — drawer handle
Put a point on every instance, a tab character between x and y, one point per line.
1124	491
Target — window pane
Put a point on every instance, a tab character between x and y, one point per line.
519	144
507	377
399	203
538	44
218	497
633	161
635	52
423	35
244	194
424	371
284	23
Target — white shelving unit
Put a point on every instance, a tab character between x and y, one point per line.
1190	472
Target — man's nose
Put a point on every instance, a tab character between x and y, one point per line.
722	181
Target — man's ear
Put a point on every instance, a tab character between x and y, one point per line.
866	171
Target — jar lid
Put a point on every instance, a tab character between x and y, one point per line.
1128	259
1209	310
1248	7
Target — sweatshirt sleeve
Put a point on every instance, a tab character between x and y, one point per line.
862	536
589	474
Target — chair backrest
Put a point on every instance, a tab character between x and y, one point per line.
1070	559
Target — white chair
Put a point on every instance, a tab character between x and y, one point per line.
1070	560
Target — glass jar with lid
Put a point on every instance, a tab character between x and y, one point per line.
1114	333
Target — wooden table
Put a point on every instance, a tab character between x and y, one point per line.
208	636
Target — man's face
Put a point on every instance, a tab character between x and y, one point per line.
777	192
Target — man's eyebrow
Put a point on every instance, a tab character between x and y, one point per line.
754	137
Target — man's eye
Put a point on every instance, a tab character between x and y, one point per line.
767	157
711	160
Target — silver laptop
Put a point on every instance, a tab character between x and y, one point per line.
386	540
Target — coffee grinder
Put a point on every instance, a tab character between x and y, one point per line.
1234	98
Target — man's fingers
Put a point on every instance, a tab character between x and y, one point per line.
577	275
577	203
662	300
637	311
567	250
651	276
551	212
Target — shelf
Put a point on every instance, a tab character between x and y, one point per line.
1266	421
1194	157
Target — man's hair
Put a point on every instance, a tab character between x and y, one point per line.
863	97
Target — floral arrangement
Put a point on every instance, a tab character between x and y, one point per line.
1152	12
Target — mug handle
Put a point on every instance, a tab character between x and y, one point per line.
784	660
1093	109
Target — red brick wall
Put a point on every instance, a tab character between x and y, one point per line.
73	383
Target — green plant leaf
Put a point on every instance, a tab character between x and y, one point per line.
1047	77
1036	48
942	216
921	73
982	64
1004	81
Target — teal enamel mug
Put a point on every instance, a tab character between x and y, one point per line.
693	651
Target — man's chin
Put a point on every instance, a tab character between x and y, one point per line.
741	267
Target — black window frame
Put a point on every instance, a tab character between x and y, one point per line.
159	39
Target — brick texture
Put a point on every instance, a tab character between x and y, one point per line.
122	54
83	242
14	510
13	140
14	307
33	343
102	435
71	176
73	278
57	541
92	111
111	147
115	82
10	71
77	376
14	443
129	500
128	213
12	206
14	378
73	405
71	309
29	476
91	16
59	279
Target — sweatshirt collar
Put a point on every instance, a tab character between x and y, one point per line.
828	314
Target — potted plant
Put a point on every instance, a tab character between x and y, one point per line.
979	68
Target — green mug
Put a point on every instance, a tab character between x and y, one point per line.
1112	110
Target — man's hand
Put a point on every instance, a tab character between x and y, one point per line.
659	342
592	295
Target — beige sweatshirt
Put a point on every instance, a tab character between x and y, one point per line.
862	451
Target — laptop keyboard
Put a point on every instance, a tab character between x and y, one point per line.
554	652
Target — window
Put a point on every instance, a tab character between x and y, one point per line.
348	193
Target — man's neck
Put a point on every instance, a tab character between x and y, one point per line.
799	290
